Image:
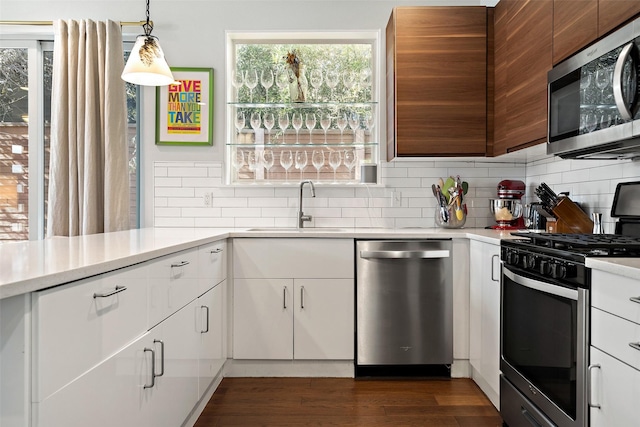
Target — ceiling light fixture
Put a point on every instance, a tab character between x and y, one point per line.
146	65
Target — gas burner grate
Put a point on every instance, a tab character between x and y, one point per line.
590	244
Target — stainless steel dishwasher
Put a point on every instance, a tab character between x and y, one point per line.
404	307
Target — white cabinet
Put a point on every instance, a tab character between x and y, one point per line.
293	299
484	317
614	370
211	325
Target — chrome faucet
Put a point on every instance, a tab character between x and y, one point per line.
301	216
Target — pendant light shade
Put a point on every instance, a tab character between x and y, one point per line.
146	65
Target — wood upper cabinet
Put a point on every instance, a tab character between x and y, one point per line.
436	81
575	25
523	57
613	13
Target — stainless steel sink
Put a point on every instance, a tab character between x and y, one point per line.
303	230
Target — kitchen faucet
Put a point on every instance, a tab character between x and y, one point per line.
301	216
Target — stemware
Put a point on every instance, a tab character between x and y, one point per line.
301	160
240	122
585	82
334	161
237	80
286	161
266	80
332	77
325	123
255	121
341	122
315	78
283	123
296	121
349	81
268	160
269	121
237	161
317	159
282	79
310	121
590	121
354	123
350	159
253	162
602	81
251	81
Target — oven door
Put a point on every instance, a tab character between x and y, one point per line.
543	346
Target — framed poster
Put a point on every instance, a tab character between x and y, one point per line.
184	110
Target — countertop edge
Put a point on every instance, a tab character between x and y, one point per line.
627	267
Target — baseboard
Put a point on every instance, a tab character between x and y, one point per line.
290	368
197	410
492	395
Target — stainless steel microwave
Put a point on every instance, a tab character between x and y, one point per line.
594	98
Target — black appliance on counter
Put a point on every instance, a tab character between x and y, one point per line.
626	207
544	333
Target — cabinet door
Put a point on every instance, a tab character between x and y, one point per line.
476	277
614	13
263	319
439	66
323	320
616	388
212	265
575	25
209	314
110	394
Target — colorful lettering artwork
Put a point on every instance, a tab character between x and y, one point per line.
184	107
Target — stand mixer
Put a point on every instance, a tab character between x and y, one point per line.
507	208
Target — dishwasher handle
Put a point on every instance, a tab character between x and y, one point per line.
413	254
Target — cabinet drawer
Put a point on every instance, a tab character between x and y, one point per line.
298	257
173	284
212	265
76	328
612	293
613	335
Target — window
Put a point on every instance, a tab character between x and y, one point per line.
25	118
303	110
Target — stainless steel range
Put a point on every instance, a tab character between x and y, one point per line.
545	325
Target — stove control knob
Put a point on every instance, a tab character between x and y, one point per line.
529	262
558	271
545	267
513	258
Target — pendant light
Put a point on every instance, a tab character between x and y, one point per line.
146	65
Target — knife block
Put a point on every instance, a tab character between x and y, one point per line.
571	219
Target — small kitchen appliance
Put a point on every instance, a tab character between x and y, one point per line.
507	208
626	207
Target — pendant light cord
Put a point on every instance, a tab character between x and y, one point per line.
148	27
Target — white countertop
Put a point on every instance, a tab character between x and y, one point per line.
629	267
30	266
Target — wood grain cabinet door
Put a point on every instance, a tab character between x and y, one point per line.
437	81
575	25
614	13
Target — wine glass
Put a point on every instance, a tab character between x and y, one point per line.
317	159
341	122
269	121
268	160
591	121
237	161
334	161
585	82
282	79
237	80
240	122
255	121
253	162
349	81
301	160
354	123
332	77
315	78
286	161
325	123
296	121
251	81
366	78
602	81
369	122
283	123
310	121
350	159
266	80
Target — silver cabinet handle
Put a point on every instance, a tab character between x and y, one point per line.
153	368
302	297
627	112
404	254
216	251
161	359
591	404
180	264
117	290
207	309
635	299
492	264
527	416
635	345
284	297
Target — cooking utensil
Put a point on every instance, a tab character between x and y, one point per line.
444	214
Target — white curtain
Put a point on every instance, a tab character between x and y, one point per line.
88	176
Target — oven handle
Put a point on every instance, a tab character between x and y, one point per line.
405	254
542	286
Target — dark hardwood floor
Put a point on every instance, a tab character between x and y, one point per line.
347	402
